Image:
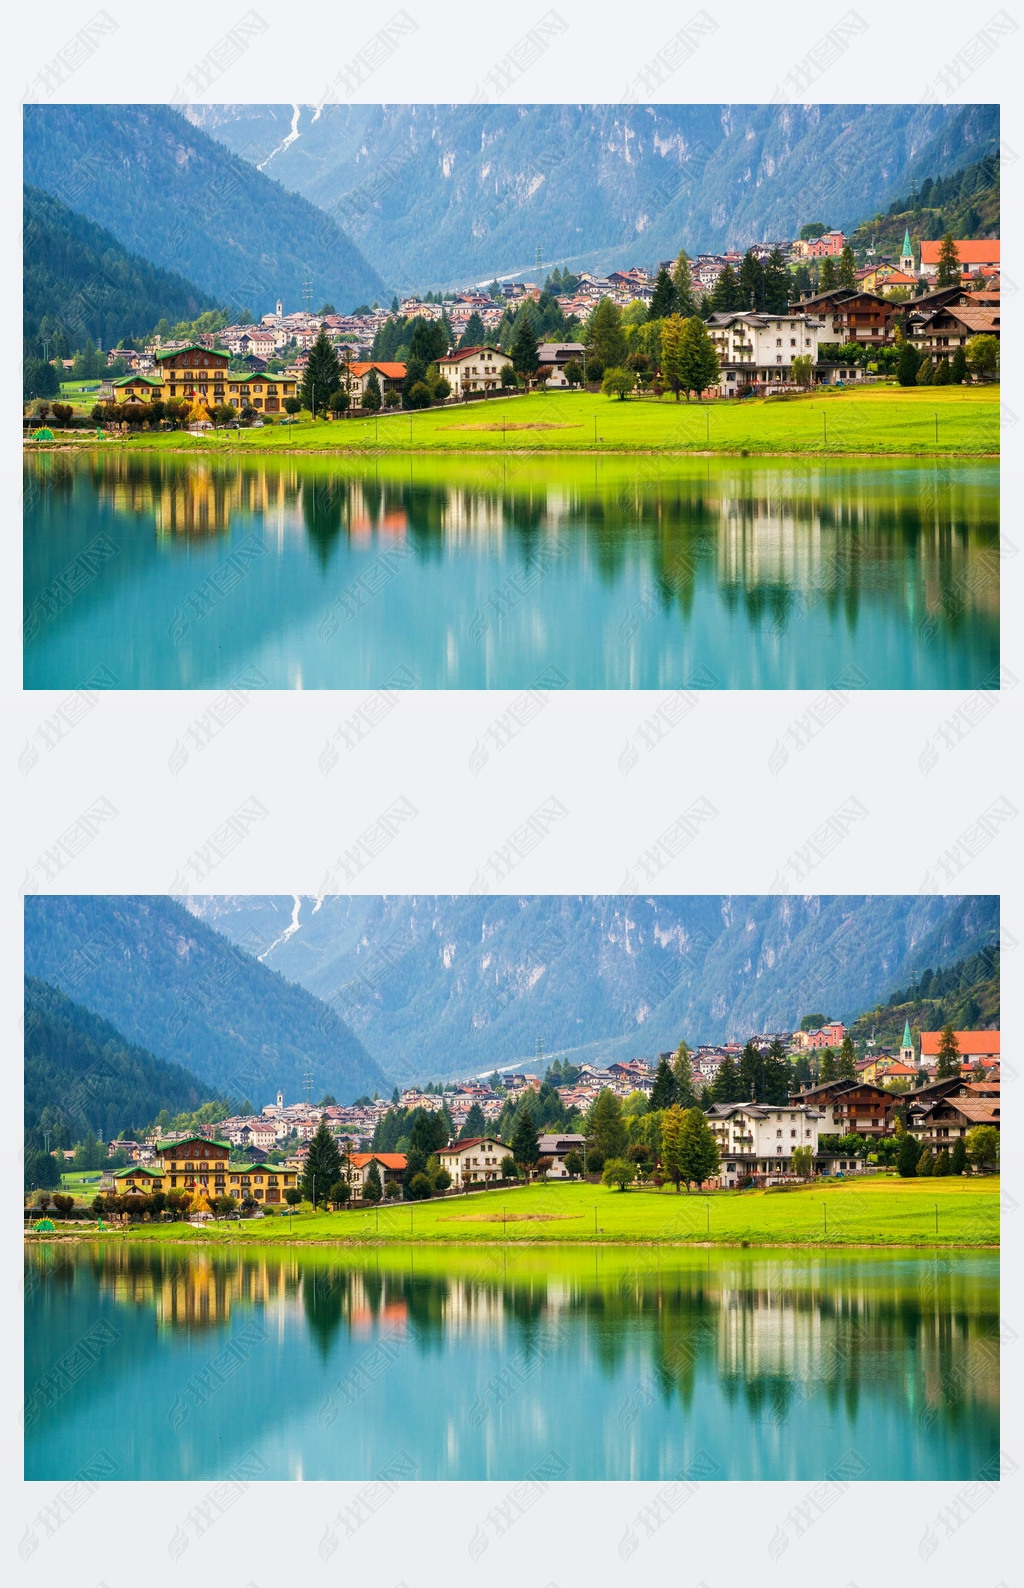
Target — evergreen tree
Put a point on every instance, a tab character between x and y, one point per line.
474	333
682	1071
948	274
698	1149
371	396
727	1086
726	294
906	1158
475	1123
925	1163
752	1074
671	1144
958	371
949	1054
321	377
847	269
607	1130
524	346
664	1093
671	353
778	283
372	1189
524	1140
682	280
826	1067
322	1168
942	1165
751	282
941	377
698	360
663	302
846	1066
827	275
778	1074
958	1160
605	338
907	366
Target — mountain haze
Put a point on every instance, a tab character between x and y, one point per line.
445	986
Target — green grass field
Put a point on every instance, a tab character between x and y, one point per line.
867	1212
877	420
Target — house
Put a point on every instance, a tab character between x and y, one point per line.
759	349
355	1169
356	377
860	316
475	1161
829	1035
473	369
976	258
828	246
944	1120
976	1047
199	374
760	1138
850	1107
938	334
195	1163
555	1147
885	278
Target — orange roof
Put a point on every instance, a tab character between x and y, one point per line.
390	1160
392	371
986	1042
968	251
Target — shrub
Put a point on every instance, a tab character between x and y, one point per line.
419	1188
620	383
574	1164
293	1196
509	1168
618	1172
338	403
393	1190
339	1193
392	399
292	405
441	1180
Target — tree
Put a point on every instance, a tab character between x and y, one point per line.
698	1149
322	375
682	281
524	346
293	405
509	1168
958	368
475	1123
524	1140
573	1162
777	283
925	1163
573	372
671	353
618	1172
322	1168
371	396
958	1157
607	1131
948	1062
941	377
751	282
373	1190
847	269
846	1065
671	1144
293	1196
727	1087
507	377
948	274
339	402
907	366
982	1145
663	303
474	333
941	1165
606	340
682	1072
419	1188
803	369
664	1093
803	1162
983	355
827	275
826	1066
726	294
618	383
925	371
906	1158
698	362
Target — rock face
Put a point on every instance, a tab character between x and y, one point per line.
445	194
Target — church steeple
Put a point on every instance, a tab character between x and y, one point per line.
907	256
907	1045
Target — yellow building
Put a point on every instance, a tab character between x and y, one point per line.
196	1163
200	374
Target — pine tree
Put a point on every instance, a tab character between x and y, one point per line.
607	1131
941	377
474	333
778	283
958	370
751	282
475	1124
726	294
826	1067
906	368
925	1163
847	269
671	1143
949	1054
524	1140
321	377
682	280
727	1086
948	274
524	346
372	1189
682	1071
958	1161
846	1066
698	361
664	1093
942	1165
778	1074
752	1074
663	302
323	1165
371	396
906	1158
605	338
671	353
698	1149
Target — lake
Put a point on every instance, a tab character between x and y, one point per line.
181	1363
157	571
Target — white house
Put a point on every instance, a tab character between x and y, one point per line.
556	1147
470	369
759	1138
759	349
474	1161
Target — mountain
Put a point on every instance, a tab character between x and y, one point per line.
78	274
80	1067
445	194
964	995
167	191
438	987
181	990
966	203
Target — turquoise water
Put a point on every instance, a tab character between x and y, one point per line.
152	571
473	1364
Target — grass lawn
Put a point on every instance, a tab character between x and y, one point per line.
877	420
868	1212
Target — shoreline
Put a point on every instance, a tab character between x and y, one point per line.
205	449
46	1237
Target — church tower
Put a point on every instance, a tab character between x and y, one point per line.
907	256
279	310
280	1099
907	1046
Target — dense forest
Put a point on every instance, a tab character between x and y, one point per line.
964	995
178	988
81	286
82	1074
965	203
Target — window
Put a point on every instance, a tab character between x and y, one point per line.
778	341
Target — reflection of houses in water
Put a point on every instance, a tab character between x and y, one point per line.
471	514
199	500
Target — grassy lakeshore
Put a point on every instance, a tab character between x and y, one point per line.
869	1212
943	421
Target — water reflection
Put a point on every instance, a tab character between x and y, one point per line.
762	1360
